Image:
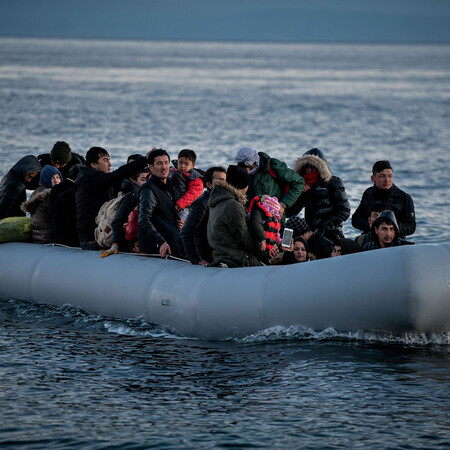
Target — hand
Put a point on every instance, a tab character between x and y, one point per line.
306	188
263	245
281	210
203	263
164	249
273	252
177	207
112	251
180	224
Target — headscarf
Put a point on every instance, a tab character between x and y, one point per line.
248	156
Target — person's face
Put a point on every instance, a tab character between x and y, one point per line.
383	179
299	251
141	179
58	165
372	217
337	251
386	234
247	167
217	175
30	176
56	179
309	169
185	164
103	164
160	167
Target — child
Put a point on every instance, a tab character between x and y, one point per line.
265	221
38	204
187	183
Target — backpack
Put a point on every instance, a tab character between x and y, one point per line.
104	219
15	229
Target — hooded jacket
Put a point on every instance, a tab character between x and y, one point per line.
399	201
76	159
326	203
157	218
13	186
228	234
37	206
385	216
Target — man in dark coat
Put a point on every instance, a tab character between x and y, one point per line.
384	190
61	157
194	231
22	176
323	197
95	186
157	217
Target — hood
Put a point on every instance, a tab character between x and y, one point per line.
314	161
390	216
38	196
223	191
27	164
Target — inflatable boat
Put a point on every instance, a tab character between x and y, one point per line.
403	288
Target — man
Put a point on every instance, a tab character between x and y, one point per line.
95	185
385	232
270	176
157	217
61	157
231	241
345	246
194	231
22	176
384	190
375	210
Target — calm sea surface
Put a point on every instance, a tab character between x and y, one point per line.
69	379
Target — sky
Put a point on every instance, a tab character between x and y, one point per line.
231	20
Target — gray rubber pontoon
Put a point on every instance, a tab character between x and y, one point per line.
402	288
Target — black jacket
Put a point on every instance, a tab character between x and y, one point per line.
63	213
45	159
399	201
319	245
195	230
13	186
157	218
95	188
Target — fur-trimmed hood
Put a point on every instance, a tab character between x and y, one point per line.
39	195
222	190
313	161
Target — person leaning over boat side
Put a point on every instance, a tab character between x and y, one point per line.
323	197
231	241
38	206
61	157
384	190
345	246
194	231
375	210
270	176
95	186
22	176
157	217
385	232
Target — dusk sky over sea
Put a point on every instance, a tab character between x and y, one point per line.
399	21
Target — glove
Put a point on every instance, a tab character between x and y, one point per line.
112	251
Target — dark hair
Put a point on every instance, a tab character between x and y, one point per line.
133	157
188	154
155	153
300	239
207	178
94	154
379	166
379	206
139	172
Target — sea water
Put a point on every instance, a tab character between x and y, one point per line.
69	379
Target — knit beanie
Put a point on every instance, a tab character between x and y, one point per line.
272	205
379	166
47	173
237	177
298	225
61	153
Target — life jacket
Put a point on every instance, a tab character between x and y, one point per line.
271	224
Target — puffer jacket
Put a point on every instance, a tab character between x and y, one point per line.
157	218
37	206
228	234
399	201
13	186
275	179
326	203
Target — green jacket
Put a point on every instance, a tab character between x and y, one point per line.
266	184
228	234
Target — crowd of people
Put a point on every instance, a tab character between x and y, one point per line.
234	217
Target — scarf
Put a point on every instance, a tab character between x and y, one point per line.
311	178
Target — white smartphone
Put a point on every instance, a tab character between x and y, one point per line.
287	237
